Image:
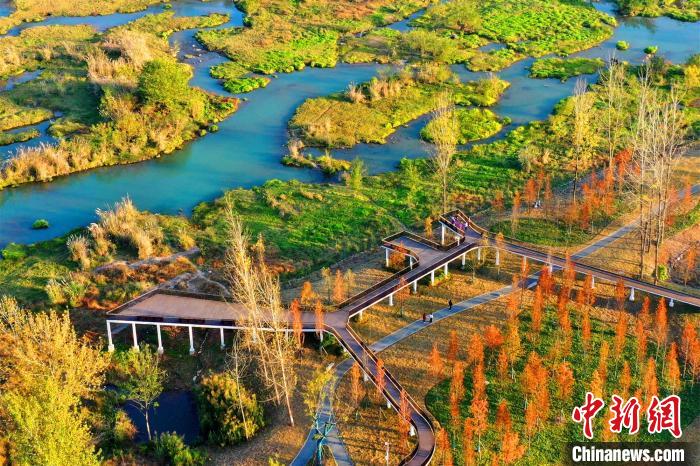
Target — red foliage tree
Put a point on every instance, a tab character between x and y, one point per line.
493	338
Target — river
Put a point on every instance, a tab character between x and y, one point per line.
247	149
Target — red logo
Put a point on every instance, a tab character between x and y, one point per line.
665	415
585	414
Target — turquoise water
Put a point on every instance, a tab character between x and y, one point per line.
247	150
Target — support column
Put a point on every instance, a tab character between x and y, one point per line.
442	234
160	340
412	432
498	257
110	345
432	277
478	254
592	281
386	257
136	340
410	260
445	269
551	268
391	299
464	260
365	377
632	294
670	303
388	403
189	330
415	286
223	342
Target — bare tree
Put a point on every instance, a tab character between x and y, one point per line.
444	132
612	91
581	131
257	289
658	144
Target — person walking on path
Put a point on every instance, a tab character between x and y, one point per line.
450	304
424	317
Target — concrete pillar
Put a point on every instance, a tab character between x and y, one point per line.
592	281
432	277
670	303
498	257
359	316
410	261
632	294
413	431
478	254
442	234
551	268
464	260
110	345
386	256
445	269
160	340
223	342
391	299
133	333
189	330
365	377
415	286
388	404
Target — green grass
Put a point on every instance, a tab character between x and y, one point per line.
25	270
546	445
544	232
529	28
474	124
22	136
565	68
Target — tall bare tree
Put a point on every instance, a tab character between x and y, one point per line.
581	130
612	91
255	287
658	144
445	133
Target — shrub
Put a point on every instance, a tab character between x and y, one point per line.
14	251
622	45
170	448
164	82
79	250
40	224
651	50
662	273
219	402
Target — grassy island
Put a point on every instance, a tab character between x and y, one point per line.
36	10
122	95
565	68
370	112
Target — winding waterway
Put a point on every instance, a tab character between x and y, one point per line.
246	150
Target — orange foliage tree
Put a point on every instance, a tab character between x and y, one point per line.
468	442
338	287
620	294
621	333
625	380
503	421
537	306
307	294
435	364
475	350
660	325
297	325
650	384
586	330
689	337
493	338
673	371
355	385
453	347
